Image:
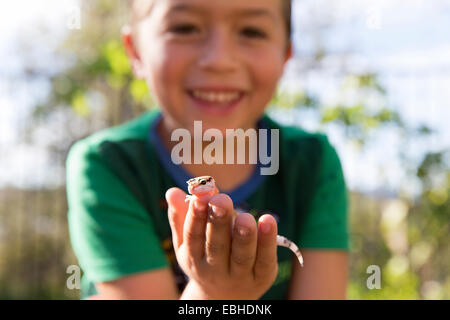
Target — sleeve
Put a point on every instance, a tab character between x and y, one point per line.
326	224
111	233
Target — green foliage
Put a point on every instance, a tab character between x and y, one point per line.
139	91
431	219
402	286
287	100
359	120
117	59
99	67
80	105
412	251
34	260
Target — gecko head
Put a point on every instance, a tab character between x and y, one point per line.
201	185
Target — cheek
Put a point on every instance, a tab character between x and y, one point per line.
163	64
267	69
165	69
166	72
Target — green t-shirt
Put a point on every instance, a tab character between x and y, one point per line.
116	184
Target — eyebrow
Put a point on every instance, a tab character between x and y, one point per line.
183	7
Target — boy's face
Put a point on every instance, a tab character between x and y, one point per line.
218	61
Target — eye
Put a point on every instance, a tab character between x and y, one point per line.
251	32
183	29
203	182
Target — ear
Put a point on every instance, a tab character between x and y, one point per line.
289	52
130	48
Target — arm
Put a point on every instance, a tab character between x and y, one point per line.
152	285
323	277
325	232
113	236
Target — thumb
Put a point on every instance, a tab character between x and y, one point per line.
177	210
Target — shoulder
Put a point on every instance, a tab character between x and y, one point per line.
297	144
134	130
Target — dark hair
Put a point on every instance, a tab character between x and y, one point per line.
287	13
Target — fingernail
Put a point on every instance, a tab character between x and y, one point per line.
218	211
265	227
243	231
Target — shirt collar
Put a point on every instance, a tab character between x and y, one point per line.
180	175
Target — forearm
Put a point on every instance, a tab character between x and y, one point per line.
153	285
193	292
324	277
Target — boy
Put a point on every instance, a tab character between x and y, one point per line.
217	62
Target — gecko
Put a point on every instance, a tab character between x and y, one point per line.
206	185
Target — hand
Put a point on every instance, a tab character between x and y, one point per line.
222	263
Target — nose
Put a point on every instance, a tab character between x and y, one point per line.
217	52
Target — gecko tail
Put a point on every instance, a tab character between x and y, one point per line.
285	242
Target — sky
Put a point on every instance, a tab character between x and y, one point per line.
406	42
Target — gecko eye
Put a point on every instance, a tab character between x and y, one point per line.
203	182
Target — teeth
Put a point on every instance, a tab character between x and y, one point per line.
222	97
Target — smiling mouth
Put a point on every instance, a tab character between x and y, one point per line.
220	99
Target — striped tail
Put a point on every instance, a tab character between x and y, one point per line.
284	242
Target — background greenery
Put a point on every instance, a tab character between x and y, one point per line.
406	235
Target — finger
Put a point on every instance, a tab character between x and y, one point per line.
243	250
266	252
177	210
218	232
194	230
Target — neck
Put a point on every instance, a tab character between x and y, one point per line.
227	176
